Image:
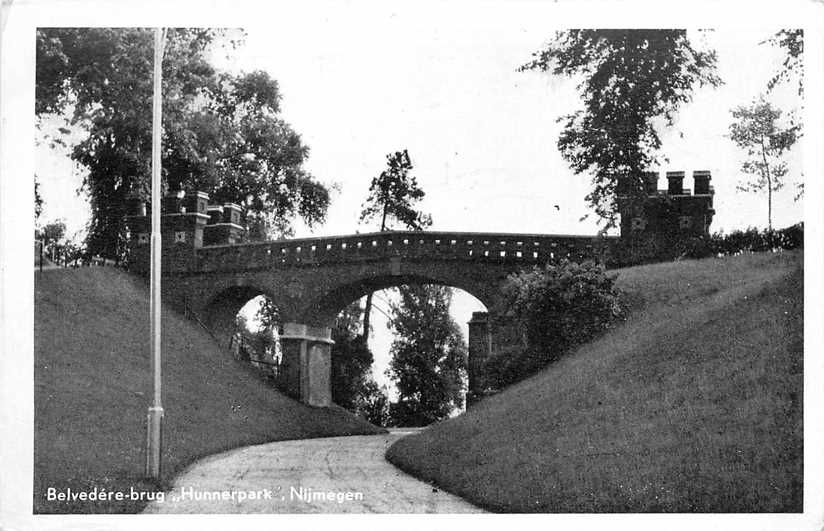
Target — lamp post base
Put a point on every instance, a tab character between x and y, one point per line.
154	432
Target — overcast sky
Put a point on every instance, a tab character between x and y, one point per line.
358	84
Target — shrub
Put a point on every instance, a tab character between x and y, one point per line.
694	247
753	240
791	237
554	308
676	247
512	364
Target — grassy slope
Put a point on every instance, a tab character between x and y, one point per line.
93	387
693	404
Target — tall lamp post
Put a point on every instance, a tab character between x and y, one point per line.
155	416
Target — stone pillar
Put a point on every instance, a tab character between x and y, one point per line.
480	348
288	380
306	365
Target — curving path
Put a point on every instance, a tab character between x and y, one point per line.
331	475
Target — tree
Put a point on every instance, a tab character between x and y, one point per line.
53	232
351	360
756	129
627	79
791	41
221	133
267	314
51	235
373	404
241	151
392	197
353	386
428	356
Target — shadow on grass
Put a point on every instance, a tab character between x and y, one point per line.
92	388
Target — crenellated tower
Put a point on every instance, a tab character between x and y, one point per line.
661	222
187	223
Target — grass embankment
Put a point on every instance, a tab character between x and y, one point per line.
93	387
692	405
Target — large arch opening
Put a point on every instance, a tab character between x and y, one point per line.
415	373
326	308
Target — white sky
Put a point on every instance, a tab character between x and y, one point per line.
360	84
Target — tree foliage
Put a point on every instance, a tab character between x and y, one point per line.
373	404
756	129
351	360
626	80
791	41
38	200
429	356
53	232
267	314
393	196
221	133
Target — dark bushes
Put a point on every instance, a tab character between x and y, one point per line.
553	309
750	240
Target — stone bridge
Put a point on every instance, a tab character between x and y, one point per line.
311	280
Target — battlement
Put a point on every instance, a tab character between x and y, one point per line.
187	223
675	184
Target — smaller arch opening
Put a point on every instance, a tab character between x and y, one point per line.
255	337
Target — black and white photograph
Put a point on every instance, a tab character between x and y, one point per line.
452	259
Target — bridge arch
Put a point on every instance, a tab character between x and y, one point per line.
312	279
327	305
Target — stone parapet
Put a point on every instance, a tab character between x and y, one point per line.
466	246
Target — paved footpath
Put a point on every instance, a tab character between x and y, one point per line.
331	475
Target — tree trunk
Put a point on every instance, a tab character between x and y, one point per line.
366	311
769	190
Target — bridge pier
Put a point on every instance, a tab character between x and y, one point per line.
306	365
480	348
